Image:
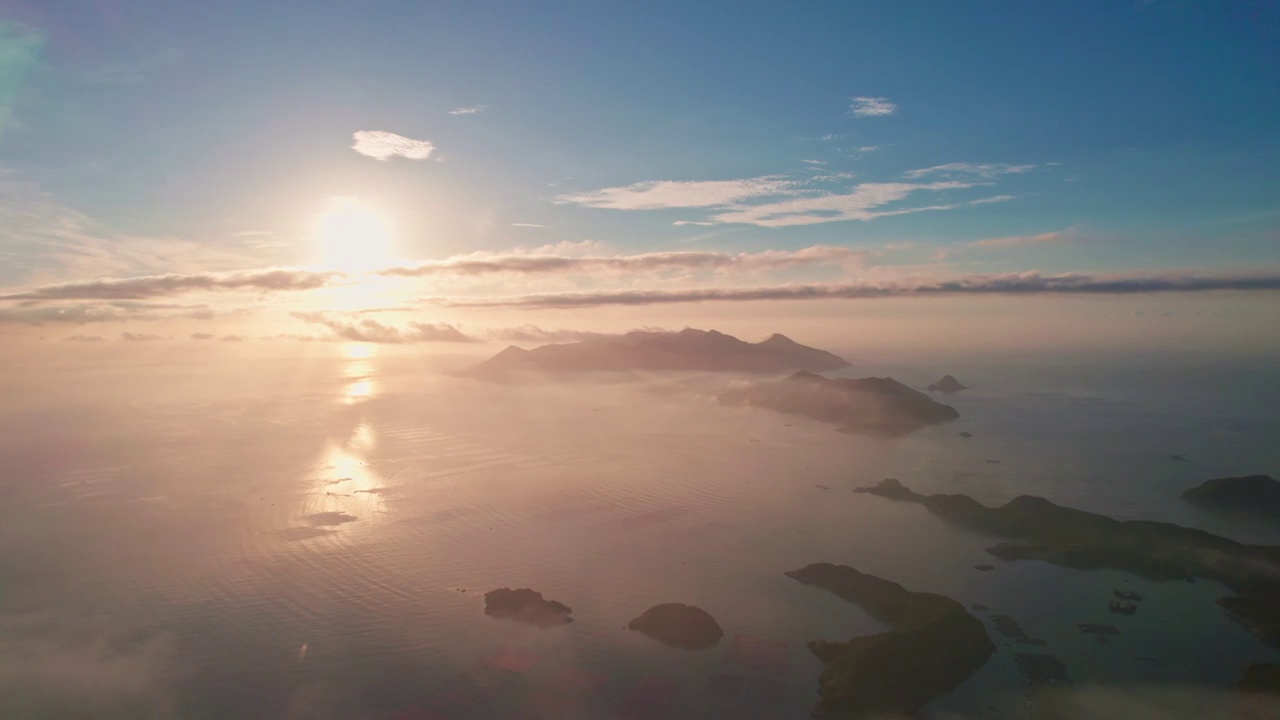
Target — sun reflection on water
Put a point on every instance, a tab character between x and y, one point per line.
358	368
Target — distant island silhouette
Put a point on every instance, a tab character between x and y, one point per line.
948	384
1250	494
689	350
876	406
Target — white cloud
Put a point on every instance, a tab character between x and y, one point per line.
679	223
383	145
868	148
815	162
1058	236
871	106
984	170
860	204
527	225
658	194
468	110
993	199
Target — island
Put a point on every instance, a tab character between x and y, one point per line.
679	625
687	350
1251	494
1154	550
527	606
948	384
933	644
872	405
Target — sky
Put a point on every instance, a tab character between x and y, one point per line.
423	173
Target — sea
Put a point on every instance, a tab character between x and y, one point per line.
310	535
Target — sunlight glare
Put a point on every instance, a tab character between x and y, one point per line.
353	236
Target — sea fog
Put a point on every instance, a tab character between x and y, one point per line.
309	533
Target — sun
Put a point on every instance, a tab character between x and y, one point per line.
353	236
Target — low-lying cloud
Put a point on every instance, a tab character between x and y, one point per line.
152	286
372	331
1026	283
526	264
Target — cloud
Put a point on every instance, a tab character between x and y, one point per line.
982	170
868	148
871	106
368	330
815	162
141	288
527	225
661	194
1058	236
468	110
383	145
535	334
84	338
139	337
993	199
859	204
231	338
201	336
68	667
1025	283
779	201
522	264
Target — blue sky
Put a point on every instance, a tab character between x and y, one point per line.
977	137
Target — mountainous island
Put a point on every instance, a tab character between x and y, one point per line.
1251	494
875	406
948	384
688	350
933	644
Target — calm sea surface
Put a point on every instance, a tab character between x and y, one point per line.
312	538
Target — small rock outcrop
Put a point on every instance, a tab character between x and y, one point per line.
1252	494
527	606
933	644
679	625
948	384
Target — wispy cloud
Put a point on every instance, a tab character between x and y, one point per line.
1058	236
202	336
84	338
368	330
141	288
527	225
871	106
815	162
1025	283
524	264
34	313
384	145
993	199
862	203
782	201
535	334
468	110
139	337
982	170
661	194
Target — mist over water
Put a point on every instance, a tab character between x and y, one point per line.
312	537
